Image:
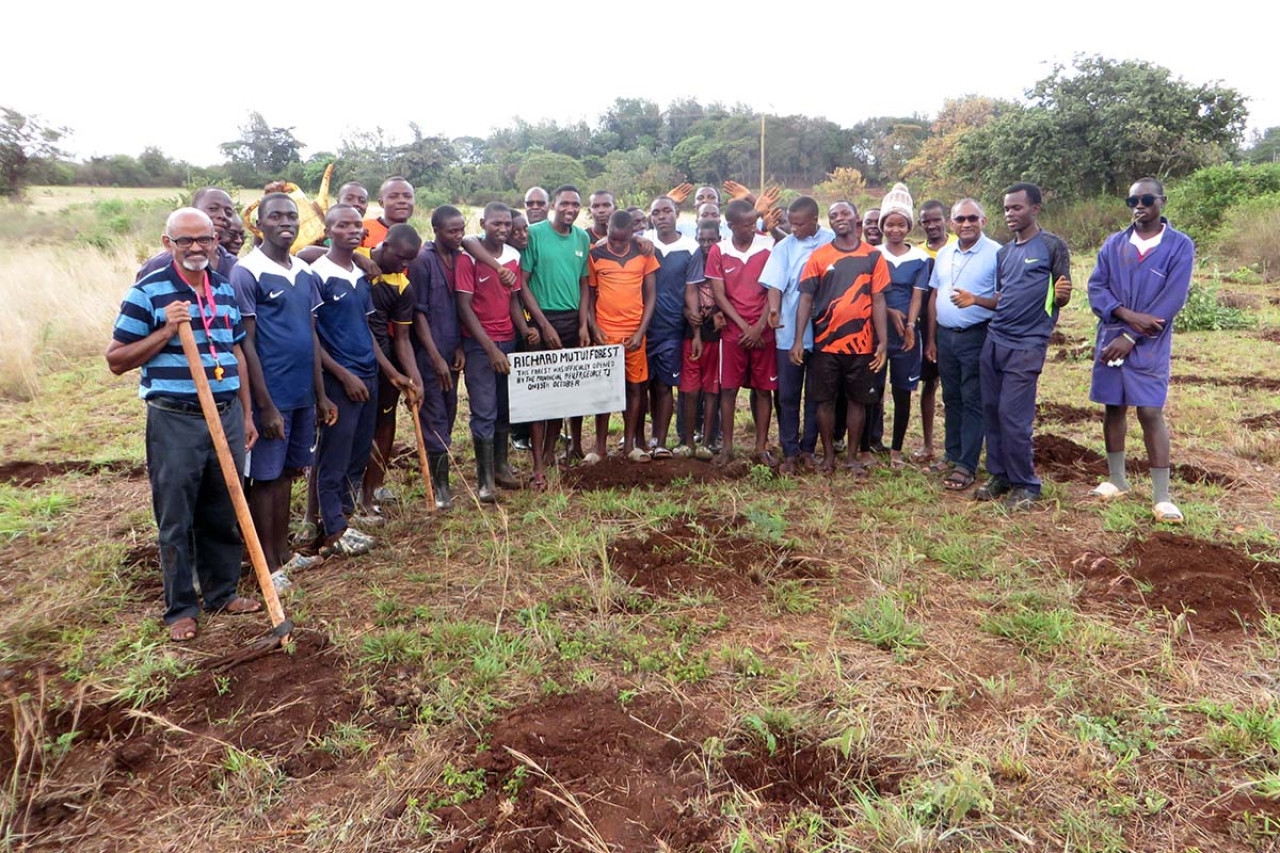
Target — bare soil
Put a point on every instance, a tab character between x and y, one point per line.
1250	383
658	474
25	472
1065	461
1270	420
1066	413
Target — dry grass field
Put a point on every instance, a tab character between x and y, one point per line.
683	660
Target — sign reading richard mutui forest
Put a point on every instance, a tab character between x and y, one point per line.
566	383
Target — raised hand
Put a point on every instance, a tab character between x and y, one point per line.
767	200
679	193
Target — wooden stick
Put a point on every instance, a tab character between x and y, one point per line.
422	458
232	476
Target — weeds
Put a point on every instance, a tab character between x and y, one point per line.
882	621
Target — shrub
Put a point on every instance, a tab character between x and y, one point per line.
1250	237
1086	223
1199	202
1205	312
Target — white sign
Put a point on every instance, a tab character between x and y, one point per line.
566	383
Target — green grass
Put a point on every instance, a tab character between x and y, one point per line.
883	622
27	512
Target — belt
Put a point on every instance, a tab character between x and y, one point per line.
972	328
185	407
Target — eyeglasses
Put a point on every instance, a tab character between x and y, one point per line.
185	242
973	217
1147	199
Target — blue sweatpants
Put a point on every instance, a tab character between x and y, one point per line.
486	390
1009	379
342	452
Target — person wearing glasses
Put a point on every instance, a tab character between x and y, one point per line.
1033	281
216	204
1138	286
196	520
961	302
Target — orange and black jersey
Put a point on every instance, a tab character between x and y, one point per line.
842	283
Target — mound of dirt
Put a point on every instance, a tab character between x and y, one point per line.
1249	383
1272	335
25	472
805	775
1058	338
606	773
702	554
1063	460
1270	420
1066	413
659	474
1219	587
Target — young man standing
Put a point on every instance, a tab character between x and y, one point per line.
556	297
396	198
781	276
392	325
602	207
933	221
438	341
351	360
962	285
278	296
622	285
842	289
700	367
871	233
196	521
904	298
734	267
1033	281
680	267
355	195
216	204
1139	285
492	316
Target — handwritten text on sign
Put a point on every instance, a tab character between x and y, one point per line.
566	383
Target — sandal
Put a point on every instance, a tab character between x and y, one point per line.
921	456
183	631
766	459
538	483
1107	491
661	453
857	470
942	466
1166	512
958	480
239	605
638	455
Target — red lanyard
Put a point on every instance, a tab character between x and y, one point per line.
207	322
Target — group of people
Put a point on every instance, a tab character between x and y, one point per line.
308	353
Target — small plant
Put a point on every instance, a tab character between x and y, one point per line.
793	596
1205	311
882	621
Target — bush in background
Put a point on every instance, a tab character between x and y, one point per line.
1199	202
1085	224
1250	237
1205	311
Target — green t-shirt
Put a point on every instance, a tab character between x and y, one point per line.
556	264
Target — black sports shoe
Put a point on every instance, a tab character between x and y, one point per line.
1020	499
992	490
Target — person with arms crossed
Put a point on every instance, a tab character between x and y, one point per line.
1137	288
1033	281
962	284
195	518
278	295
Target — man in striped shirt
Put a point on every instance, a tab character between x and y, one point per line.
194	513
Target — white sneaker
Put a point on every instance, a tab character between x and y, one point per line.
281	582
297	562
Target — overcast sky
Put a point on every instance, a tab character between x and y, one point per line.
127	75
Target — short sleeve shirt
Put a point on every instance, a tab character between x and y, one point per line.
167	374
342	320
842	283
1025	273
556	264
375	233
491	300
786	263
740	271
392	298
282	301
908	273
619	285
972	269
680	265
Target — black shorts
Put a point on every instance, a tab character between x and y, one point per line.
833	372
928	371
566	325
388	396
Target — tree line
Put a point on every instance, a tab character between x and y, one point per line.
1085	129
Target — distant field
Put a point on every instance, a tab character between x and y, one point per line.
50	199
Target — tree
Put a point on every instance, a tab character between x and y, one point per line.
262	153
844	184
549	170
25	144
931	164
1093	128
1265	147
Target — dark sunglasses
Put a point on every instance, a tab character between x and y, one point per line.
1147	199
972	217
185	242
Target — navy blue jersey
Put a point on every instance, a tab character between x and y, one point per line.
680	264
342	320
281	300
1025	273
167	374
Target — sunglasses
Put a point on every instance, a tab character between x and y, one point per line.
1147	199
973	217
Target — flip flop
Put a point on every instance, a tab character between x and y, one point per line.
661	453
957	480
1167	513
920	456
240	604
639	456
942	466
183	631
1108	491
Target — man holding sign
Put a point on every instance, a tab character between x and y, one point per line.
623	292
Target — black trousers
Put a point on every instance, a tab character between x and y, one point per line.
197	521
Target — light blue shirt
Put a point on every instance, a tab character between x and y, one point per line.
973	270
782	272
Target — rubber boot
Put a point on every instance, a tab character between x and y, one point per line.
488	493
438	465
502	473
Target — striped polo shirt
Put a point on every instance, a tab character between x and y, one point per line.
167	374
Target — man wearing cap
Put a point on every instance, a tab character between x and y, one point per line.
196	521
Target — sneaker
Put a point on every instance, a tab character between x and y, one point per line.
840	446
653	442
592	458
383	495
298	562
281	582
520	443
368	520
351	543
704	453
360	534
1020	499
684	451
991	490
